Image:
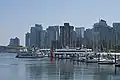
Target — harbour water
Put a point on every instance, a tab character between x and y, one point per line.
12	68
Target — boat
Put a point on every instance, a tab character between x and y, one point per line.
71	53
29	55
117	65
77	51
106	61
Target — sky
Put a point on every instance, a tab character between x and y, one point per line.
17	16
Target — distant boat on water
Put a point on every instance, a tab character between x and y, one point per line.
106	61
30	54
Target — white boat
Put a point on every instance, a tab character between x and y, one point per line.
101	61
71	53
30	54
106	61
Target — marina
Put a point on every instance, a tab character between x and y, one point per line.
62	69
78	55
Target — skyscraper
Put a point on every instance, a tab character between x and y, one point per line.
106	35
43	39
52	35
80	31
95	36
116	28
79	36
35	36
66	33
27	39
103	29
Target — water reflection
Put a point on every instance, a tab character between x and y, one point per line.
59	70
105	72
34	71
67	70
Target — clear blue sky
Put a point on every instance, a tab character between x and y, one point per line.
17	16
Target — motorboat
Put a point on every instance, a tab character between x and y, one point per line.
106	61
29	55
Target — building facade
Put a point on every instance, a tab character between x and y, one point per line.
66	33
80	31
79	36
52	35
43	39
35	36
116	28
14	42
106	34
27	39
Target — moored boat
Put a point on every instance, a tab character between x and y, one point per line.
106	61
117	65
29	55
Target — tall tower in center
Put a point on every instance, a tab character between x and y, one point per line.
66	32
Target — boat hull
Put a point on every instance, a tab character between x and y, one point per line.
29	55
106	62
117	65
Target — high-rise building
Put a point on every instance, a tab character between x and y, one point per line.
88	35
79	36
52	35
80	32
103	29
35	36
43	39
66	33
106	34
116	28
74	37
14	42
95	39
27	39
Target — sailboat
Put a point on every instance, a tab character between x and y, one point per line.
106	59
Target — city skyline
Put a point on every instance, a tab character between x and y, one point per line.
18	16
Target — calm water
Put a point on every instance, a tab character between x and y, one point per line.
43	69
